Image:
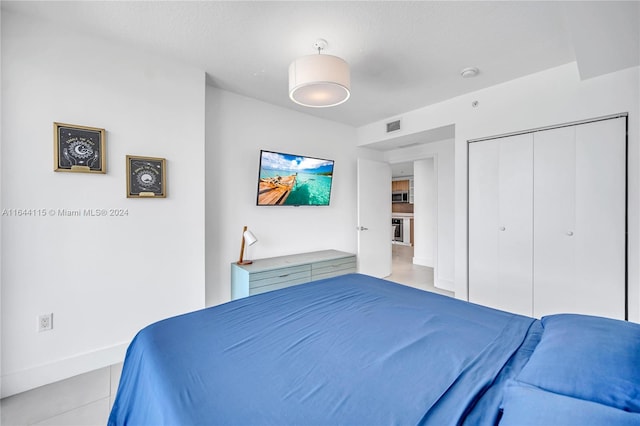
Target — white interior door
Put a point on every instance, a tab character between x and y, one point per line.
554	221
500	223
601	211
374	218
580	220
484	285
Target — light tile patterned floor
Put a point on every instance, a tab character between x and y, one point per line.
405	272
82	400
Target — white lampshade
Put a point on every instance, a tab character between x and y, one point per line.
319	81
249	238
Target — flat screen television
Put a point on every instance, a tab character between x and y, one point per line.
293	180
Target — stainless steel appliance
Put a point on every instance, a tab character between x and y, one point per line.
397	229
400	197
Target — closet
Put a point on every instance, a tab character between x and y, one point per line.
547	220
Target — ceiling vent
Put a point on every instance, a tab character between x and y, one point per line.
393	126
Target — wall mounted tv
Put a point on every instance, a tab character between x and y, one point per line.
293	180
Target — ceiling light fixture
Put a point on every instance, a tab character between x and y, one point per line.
319	81
469	72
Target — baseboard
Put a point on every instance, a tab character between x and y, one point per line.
21	381
423	261
444	284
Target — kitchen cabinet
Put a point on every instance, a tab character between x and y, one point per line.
547	220
400	185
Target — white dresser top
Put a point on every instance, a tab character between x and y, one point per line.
293	259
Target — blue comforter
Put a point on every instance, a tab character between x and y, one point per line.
351	350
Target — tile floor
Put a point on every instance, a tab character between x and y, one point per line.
83	400
86	400
405	272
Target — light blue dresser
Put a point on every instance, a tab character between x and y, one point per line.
279	272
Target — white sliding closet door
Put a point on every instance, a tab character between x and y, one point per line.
500	223
547	213
579	219
554	219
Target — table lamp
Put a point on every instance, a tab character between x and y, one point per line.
249	239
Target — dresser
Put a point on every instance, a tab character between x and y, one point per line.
284	271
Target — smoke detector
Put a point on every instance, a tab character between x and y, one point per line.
469	72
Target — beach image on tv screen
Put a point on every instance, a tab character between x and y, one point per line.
294	180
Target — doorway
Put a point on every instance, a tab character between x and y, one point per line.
405	272
438	145
412	257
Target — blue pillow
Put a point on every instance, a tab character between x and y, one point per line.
591	358
529	406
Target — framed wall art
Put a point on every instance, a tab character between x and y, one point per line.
78	149
146	177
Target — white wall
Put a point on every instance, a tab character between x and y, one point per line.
550	97
424	209
442	153
237	129
104	278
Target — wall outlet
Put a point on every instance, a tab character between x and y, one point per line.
45	322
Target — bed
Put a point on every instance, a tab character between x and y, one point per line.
357	350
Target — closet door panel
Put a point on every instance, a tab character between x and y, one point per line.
483	221
579	219
515	224
554	220
600	218
500	223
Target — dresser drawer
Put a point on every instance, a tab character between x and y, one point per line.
276	276
333	268
279	285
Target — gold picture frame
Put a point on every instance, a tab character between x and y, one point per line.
79	149
146	177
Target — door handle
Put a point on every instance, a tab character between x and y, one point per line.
361	228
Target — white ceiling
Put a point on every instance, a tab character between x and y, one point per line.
403	55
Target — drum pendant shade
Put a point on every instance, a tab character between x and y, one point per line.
319	81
